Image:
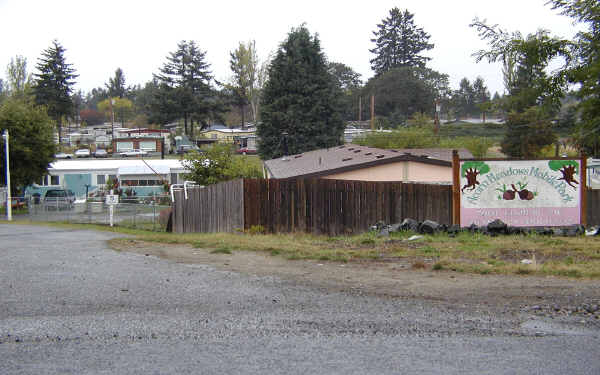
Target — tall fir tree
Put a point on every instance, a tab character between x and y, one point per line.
184	85
399	43
300	98
116	85
53	84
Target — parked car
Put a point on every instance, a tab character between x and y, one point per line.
182	149
17	202
135	152
246	151
82	153
59	198
62	155
100	153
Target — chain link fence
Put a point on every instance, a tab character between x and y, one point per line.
141	212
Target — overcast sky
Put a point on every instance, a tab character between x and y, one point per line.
136	36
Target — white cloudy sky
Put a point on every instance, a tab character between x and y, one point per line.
101	36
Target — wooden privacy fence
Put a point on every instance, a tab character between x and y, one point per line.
340	206
308	205
215	208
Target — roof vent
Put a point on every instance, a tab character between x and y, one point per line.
380	156
346	159
350	148
369	153
298	156
355	151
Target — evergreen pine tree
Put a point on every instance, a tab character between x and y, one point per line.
53	84
398	43
300	98
116	85
184	84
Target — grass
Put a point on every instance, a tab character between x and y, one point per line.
573	257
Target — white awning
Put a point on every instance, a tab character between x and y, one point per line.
143	169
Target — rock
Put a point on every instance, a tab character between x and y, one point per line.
409	224
473	228
573	231
414	238
510	230
384	232
395	227
453	229
429	227
543	231
497	226
380	224
527	261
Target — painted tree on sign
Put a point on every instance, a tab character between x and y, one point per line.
568	168
470	170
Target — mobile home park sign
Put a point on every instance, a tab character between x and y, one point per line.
521	192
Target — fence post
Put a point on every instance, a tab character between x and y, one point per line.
455	188
154	211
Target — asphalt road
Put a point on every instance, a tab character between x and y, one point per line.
70	305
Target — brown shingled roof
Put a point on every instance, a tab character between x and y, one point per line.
350	156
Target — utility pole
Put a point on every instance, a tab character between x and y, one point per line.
372	112
438	109
112	124
359	108
8	198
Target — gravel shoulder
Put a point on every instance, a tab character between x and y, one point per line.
568	299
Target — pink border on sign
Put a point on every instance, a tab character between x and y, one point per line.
522	217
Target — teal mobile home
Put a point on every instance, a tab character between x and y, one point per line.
81	176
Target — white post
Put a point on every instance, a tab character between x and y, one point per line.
8	198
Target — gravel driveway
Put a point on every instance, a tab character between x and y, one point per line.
71	305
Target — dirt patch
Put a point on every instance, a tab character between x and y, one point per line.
394	277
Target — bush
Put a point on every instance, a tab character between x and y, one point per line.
218	164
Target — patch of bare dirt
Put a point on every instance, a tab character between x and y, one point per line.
392	277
